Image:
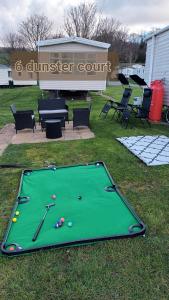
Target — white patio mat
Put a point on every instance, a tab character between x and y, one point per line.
152	150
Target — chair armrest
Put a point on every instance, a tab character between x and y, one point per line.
134	108
115	104
113	100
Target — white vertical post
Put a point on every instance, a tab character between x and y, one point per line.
151	60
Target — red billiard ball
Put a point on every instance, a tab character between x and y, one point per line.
62	220
11	249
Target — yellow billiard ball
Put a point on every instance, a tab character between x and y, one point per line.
14	220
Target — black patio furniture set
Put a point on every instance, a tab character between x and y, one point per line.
53	113
125	111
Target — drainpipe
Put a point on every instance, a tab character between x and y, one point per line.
151	60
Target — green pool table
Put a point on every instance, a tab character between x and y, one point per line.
84	196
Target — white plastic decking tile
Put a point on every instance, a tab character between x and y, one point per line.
152	150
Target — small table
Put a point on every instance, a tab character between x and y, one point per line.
53	129
43	121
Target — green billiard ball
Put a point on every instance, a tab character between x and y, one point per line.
69	224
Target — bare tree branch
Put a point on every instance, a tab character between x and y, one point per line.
13	40
34	28
81	20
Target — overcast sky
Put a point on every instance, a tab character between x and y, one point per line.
138	15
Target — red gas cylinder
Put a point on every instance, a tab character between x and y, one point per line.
156	101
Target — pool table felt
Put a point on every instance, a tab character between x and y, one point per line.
98	214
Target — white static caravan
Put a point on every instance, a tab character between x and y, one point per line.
135	69
138	70
73	46
5	75
24	82
23	79
157	59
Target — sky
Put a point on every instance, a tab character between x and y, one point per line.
137	15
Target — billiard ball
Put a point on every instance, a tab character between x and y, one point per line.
11	248
79	197
17	213
14	220
53	196
59	223
69	224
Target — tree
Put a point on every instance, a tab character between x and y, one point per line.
58	34
132	47
113	32
13	41
141	57
81	20
136	48
34	28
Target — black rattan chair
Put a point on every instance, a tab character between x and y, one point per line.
81	117
23	119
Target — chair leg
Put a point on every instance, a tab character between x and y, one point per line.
114	114
105	116
149	124
127	122
142	122
100	114
118	115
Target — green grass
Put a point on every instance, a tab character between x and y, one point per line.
119	269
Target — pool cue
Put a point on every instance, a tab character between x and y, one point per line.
7	166
41	223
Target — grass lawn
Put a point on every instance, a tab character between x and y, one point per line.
136	269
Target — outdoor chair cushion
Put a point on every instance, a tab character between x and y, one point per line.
41	112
